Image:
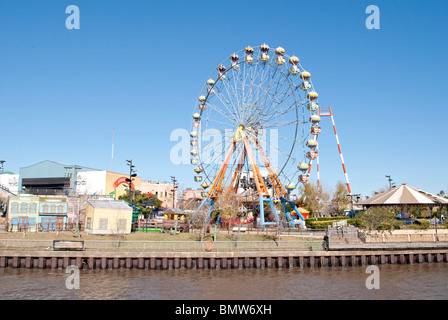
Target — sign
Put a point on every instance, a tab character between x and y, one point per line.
122	180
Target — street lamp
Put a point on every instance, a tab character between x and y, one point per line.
390	181
173	179
132	174
1	166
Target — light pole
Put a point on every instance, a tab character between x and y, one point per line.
132	174
390	181
173	179
1	166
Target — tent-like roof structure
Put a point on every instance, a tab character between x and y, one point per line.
405	195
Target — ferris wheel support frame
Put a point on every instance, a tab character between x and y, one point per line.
282	194
262	191
259	182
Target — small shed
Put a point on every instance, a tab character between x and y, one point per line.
174	214
108	217
305	213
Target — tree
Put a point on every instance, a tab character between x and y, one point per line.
443	194
312	200
340	201
378	218
228	204
139	199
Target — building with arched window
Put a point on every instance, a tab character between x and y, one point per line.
23	214
52	213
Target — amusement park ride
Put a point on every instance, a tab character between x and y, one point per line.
263	93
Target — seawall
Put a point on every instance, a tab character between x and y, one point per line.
216	260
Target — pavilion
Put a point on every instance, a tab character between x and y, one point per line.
405	196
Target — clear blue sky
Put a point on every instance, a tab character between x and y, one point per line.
138	66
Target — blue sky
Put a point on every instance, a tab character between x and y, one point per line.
138	67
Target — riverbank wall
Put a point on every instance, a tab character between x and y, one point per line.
217	260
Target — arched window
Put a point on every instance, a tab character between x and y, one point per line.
33	208
14	207
24	207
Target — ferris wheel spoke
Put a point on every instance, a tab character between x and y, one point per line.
233	99
226	103
279	89
274	103
282	112
228	115
264	79
229	87
283	124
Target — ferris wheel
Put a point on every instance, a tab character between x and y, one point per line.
255	126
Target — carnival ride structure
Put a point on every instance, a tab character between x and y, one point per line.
263	101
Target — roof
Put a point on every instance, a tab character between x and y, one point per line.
51	162
109	204
405	195
302	210
174	211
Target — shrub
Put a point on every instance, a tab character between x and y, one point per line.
379	218
323	223
422	223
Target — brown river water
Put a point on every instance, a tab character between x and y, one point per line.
396	282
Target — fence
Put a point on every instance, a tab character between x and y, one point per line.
169	246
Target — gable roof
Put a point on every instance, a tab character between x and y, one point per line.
109	204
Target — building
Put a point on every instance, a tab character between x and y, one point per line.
52	213
192	199
22	213
108	217
49	178
104	183
9	182
55	178
163	190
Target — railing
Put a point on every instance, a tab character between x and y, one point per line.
169	246
44	227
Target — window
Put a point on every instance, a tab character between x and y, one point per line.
45	208
60	208
89	220
15	207
122	224
24	207
33	208
103	223
53	208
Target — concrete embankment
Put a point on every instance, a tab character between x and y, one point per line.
217	260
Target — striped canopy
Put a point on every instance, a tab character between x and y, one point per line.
405	195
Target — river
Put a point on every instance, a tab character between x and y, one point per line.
413	281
